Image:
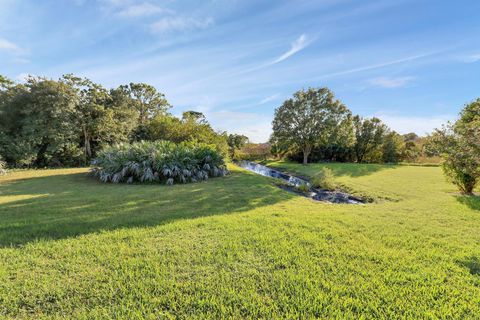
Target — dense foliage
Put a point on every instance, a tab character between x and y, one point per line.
235	143
254	152
314	126
192	127
459	146
311	118
65	122
159	161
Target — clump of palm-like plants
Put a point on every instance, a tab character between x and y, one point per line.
158	161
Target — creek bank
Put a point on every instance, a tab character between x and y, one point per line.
295	184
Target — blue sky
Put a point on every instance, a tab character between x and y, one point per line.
413	63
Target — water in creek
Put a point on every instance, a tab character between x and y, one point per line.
319	195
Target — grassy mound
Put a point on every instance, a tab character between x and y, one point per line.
159	161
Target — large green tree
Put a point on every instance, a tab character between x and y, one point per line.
100	119
37	125
307	120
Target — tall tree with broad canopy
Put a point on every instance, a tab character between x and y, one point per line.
308	120
100	118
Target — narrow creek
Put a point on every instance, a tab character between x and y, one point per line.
292	182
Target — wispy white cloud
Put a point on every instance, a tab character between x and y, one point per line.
181	24
375	66
10	47
142	10
390	83
471	58
270	98
115	3
299	44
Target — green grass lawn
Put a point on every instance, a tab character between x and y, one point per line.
238	247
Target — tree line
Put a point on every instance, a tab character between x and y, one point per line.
66	122
314	126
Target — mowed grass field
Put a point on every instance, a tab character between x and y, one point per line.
238	247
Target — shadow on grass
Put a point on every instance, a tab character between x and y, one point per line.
472	264
473	202
62	206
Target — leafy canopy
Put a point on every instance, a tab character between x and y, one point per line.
307	120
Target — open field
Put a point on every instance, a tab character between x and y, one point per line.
238	247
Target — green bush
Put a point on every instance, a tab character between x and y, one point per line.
303	188
158	161
324	179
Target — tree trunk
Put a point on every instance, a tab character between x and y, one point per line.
88	149
40	161
306	152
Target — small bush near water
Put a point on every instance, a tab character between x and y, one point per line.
159	161
324	179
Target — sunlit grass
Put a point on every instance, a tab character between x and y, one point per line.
238	247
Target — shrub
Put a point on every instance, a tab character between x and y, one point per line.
158	161
458	145
324	179
303	188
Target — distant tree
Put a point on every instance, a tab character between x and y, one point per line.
5	83
393	147
256	151
167	127
195	116
146	100
411	136
236	142
412	151
369	136
459	146
307	120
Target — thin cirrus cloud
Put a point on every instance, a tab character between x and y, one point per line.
269	99
390	83
10	47
142	10
298	45
472	58
181	24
